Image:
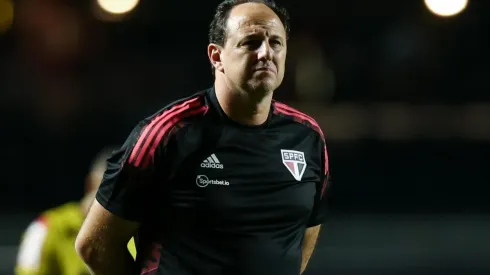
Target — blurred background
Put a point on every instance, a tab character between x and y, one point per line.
400	88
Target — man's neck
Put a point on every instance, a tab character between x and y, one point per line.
241	107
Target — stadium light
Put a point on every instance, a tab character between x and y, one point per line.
446	8
117	6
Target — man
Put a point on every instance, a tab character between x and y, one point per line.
47	245
226	181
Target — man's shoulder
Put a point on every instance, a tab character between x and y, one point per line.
287	112
67	213
157	129
172	114
44	222
179	109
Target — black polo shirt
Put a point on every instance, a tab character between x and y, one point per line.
215	197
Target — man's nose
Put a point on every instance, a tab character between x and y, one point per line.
265	51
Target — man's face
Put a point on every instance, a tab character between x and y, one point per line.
254	54
94	178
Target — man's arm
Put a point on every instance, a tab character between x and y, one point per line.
308	246
102	242
318	216
121	204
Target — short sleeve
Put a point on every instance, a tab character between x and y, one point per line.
319	213
128	185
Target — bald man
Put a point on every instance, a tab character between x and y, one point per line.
224	182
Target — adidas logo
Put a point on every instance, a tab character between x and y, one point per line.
212	162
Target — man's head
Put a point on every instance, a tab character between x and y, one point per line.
97	169
95	175
247	44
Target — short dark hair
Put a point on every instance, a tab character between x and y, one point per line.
217	28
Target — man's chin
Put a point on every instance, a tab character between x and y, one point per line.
263	86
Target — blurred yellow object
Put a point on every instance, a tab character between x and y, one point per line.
48	244
6	15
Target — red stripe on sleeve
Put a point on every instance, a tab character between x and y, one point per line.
150	131
282	108
166	129
295	113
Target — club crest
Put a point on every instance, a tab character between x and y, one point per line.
295	162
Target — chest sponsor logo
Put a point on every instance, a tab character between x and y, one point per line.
295	162
212	162
203	181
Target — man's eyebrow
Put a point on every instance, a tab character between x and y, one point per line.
276	36
246	23
269	33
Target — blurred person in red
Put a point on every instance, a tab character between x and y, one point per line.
227	181
47	244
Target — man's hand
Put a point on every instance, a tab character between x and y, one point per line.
309	242
102	242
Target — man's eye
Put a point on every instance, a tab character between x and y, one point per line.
275	43
252	44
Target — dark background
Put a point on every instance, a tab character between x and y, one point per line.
401	94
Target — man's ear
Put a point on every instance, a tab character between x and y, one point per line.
214	55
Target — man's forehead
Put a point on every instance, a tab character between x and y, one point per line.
252	16
245	24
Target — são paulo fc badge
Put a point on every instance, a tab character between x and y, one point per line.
295	162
